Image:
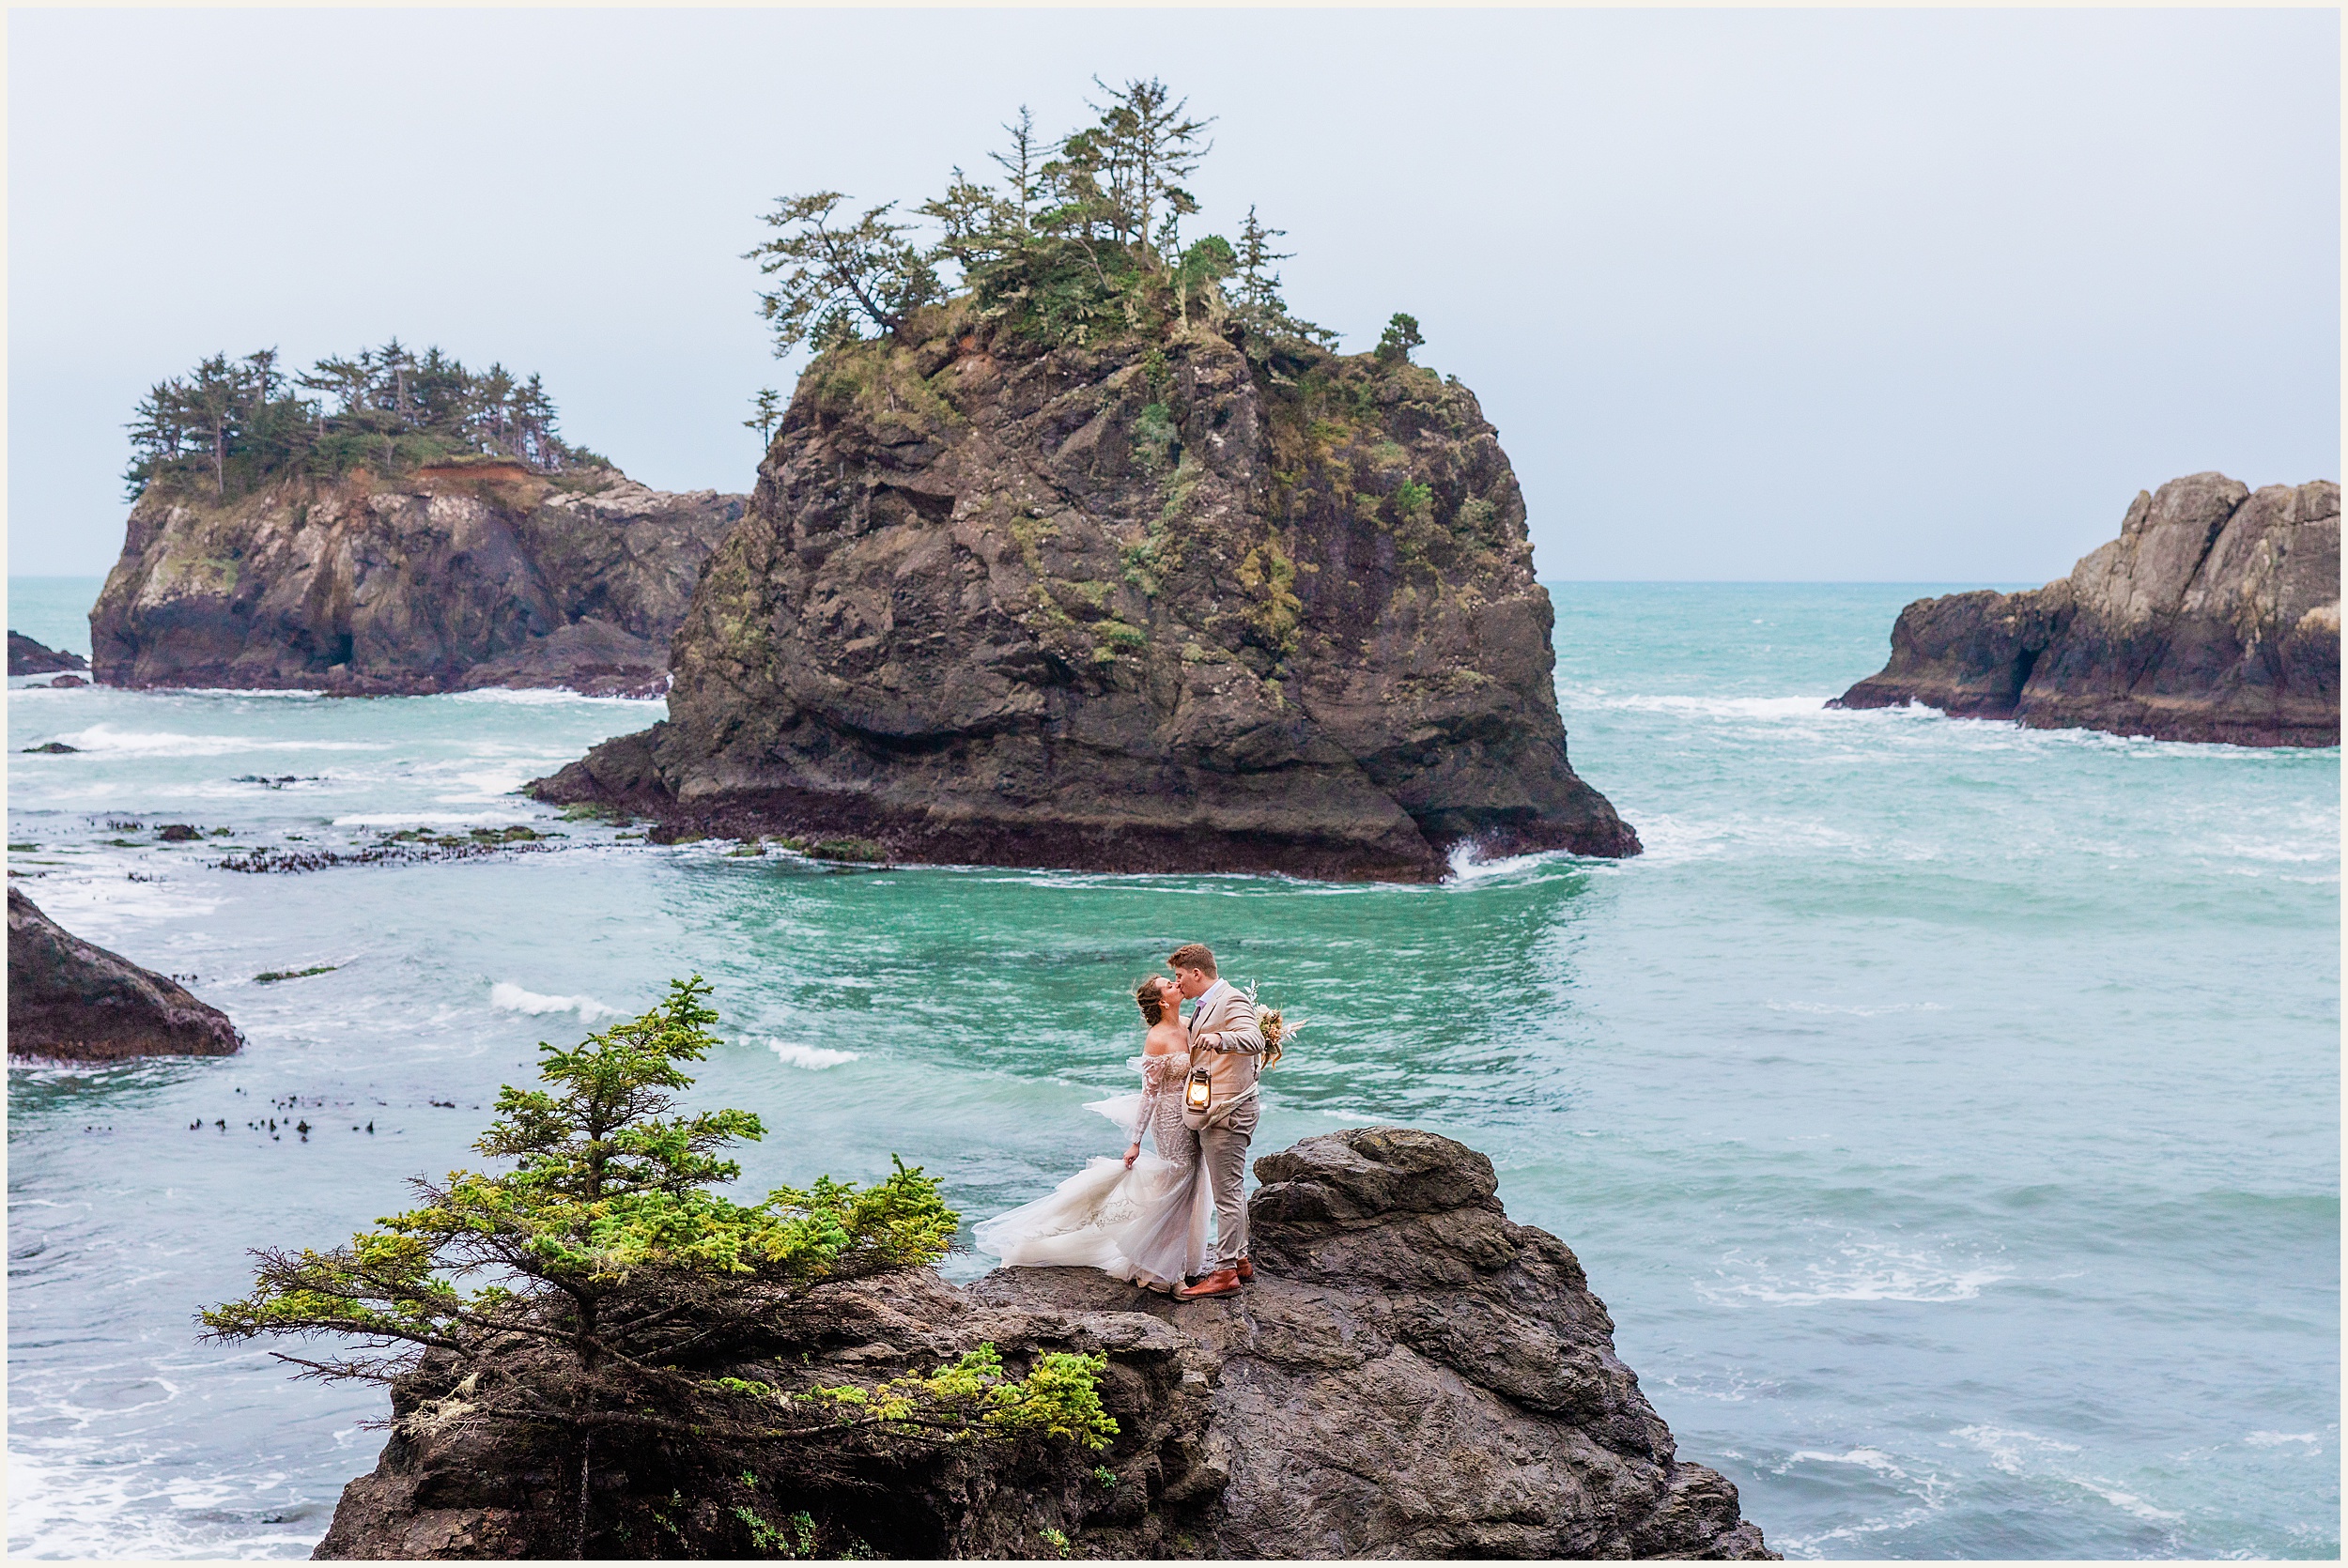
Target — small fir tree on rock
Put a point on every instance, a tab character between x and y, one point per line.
599	1286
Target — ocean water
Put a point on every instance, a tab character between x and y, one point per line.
1949	1114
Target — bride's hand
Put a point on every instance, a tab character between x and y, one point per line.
1131	1154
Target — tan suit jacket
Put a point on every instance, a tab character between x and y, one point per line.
1224	1039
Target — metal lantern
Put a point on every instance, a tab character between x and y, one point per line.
1199	1093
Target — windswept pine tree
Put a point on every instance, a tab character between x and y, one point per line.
592	1297
230	426
1079	238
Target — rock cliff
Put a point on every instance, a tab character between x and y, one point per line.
75	1001
2214	616
467	574
1412	1375
1138	605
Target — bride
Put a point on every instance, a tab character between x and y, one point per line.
1144	1218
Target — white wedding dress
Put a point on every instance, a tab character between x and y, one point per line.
1146	1224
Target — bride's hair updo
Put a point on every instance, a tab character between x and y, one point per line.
1151	1000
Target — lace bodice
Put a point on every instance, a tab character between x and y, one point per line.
1156	1072
1162	1080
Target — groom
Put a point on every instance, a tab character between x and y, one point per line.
1225	1040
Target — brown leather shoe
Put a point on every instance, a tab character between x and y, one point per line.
1246	1269
1223	1281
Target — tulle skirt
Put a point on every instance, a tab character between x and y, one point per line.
1146	1224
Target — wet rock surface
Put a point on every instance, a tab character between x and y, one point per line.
1128	607
1411	1374
2214	616
28	657
74	1001
453	578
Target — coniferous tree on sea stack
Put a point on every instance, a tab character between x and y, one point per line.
1078	237
229	426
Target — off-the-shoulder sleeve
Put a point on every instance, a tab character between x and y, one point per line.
1152	1085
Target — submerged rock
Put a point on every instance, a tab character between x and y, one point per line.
2214	616
469	574
75	1001
1411	1374
28	657
1140	605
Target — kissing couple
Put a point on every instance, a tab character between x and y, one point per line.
1144	1218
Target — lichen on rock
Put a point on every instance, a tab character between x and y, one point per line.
1157	600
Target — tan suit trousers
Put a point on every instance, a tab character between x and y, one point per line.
1223	1149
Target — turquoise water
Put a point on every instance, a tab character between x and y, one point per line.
1947	1112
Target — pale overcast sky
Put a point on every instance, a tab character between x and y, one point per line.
1909	296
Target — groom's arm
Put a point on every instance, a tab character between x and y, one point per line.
1236	1032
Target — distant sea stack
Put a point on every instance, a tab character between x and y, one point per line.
28	657
1162	601
2214	616
453	576
73	1000
416	526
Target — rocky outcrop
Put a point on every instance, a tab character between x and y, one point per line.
28	657
71	1000
1134	606
470	574
2214	616
1411	1374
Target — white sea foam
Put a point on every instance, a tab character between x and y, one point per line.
113	1509
2125	1501
548	697
2276	1440
508	997
106	738
2015	1452
1866	1458
2008	1448
1671	839
432	819
1468	867
1855	1271
815	1058
1771	708
1928	1490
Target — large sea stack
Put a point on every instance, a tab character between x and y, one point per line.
1156	603
1411	1374
73	1000
2214	616
456	574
